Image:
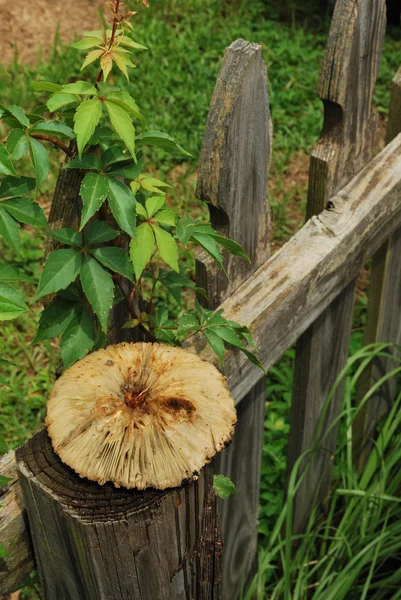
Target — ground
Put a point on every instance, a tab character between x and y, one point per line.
29	27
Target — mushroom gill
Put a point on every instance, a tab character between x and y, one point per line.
140	415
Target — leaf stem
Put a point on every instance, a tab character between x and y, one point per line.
55	141
113	34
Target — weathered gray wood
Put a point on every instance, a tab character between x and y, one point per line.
100	543
346	84
233	174
384	310
14	533
281	300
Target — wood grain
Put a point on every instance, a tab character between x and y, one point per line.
101	543
346	85
14	533
384	309
233	174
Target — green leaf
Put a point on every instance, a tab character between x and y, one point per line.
55	128
11	303
86	43
6	165
234	248
14	187
40	161
210	246
115	154
57	101
160	140
4	480
91	57
174	282
8	273
67	236
54	319
3	445
9	229
126	102
95	33
17	143
216	343
99	232
114	259
25	211
78	338
99	289
122	123
223	486
151	184
18	113
127	41
94	189
88	161
83	88
45	86
167	247
154	204
228	335
86	118
122	61
141	211
61	268
128	171
142	248
167	217
122	204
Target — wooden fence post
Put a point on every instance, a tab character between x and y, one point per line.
384	310
346	84
233	174
95	542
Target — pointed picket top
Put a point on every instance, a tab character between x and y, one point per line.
234	164
346	84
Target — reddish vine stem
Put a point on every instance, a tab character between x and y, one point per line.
48	138
113	34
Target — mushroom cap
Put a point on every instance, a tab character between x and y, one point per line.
140	415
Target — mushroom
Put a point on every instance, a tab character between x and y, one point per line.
140	415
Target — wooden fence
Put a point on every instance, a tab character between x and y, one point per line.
302	294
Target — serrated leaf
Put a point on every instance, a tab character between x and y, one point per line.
6	165
122	63
82	88
166	217
17	144
141	211
18	113
8	273
86	43
126	102
106	64
40	161
210	246
86	118
114	154
54	319
167	247
9	229
98	286
57	101
122	123
55	128
154	204
88	161
99	232
128	171
45	86
95	33
216	344
91	57
234	248
174	282
25	211
142	248
151	184
160	140
11	303
14	187
229	335
114	259
223	486
78	338
66	235
60	269
122	204
129	43
94	189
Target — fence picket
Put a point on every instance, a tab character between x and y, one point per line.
233	175
384	309
346	144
